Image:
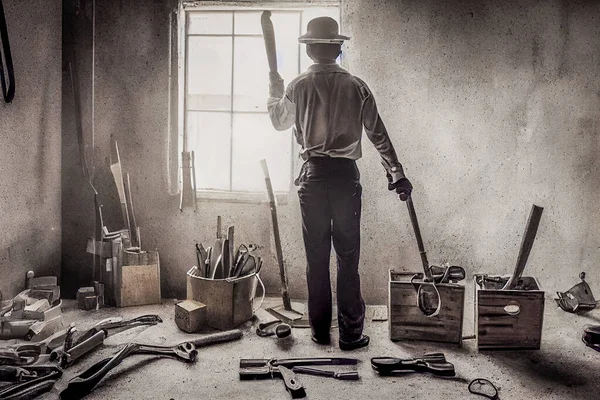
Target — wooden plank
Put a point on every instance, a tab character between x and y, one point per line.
188	194
98	248
140	285
117	171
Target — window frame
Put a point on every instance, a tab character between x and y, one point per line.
185	9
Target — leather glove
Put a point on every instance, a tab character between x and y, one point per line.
276	87
403	187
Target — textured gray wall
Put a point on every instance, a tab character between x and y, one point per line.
491	108
30	146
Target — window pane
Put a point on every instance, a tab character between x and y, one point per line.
251	77
248	23
208	135
210	23
287	30
209	73
314	12
254	139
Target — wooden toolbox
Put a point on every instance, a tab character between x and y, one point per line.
407	321
508	319
228	301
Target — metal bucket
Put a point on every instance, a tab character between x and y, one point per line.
228	301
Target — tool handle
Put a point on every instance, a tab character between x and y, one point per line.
342	376
214	338
441	369
415	224
313	371
253	362
255	372
285	296
533	222
435	363
269	36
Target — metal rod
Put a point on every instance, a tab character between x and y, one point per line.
415	225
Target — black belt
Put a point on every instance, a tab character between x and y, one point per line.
7	92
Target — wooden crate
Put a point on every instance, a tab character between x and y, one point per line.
497	326
139	279
228	301
407	321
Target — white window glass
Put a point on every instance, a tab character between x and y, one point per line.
209	73
248	23
209	138
210	23
251	75
254	139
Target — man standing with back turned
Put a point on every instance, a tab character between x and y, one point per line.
328	108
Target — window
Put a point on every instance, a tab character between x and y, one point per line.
225	88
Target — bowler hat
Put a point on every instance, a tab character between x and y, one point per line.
322	30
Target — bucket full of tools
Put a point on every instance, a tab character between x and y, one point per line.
225	281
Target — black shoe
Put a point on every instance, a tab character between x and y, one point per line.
362	342
321	340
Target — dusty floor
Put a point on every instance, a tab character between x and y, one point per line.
563	369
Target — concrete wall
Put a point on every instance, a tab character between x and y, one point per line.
492	108
30	146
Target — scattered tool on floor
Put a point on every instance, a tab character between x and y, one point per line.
533	222
83	384
483	387
283	369
578	299
28	382
591	336
286	312
71	351
434	363
278	328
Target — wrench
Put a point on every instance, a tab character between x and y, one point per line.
83	384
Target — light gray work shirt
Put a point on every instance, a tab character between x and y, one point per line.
328	108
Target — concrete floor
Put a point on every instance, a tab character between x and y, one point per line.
563	369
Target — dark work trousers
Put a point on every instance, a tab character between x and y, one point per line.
330	201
